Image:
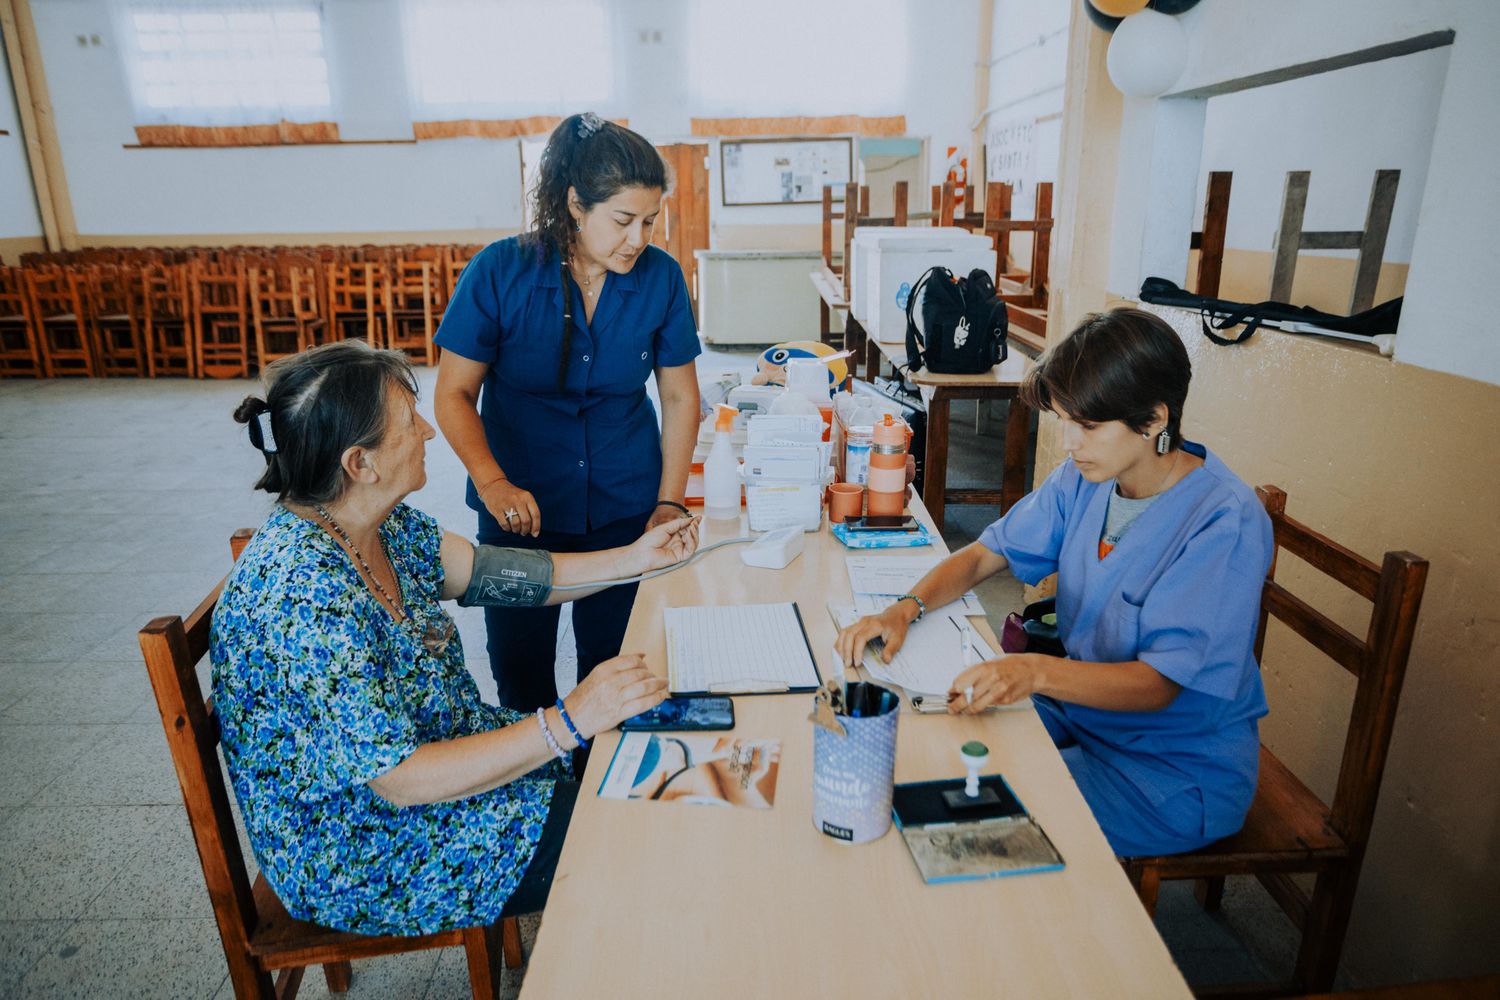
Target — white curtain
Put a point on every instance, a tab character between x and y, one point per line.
204	62
806	57
507	58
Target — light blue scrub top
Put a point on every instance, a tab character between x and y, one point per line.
1181	592
590	453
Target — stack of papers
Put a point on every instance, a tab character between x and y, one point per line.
878	580
928	660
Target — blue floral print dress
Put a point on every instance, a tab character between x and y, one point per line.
319	690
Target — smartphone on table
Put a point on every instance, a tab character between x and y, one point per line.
684	713
893	522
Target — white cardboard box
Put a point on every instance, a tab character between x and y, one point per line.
887	261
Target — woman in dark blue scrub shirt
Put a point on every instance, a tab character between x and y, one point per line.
547	407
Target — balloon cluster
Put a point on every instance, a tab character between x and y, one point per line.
1149	49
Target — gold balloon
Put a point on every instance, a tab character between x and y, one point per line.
1119	8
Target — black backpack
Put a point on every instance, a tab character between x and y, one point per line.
964	323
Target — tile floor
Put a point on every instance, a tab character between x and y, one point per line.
117	499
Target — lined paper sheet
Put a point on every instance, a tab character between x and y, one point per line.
877	580
743	648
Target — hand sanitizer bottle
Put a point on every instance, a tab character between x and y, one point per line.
721	473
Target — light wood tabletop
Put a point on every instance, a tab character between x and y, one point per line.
669	900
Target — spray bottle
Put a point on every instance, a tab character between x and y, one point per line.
721	473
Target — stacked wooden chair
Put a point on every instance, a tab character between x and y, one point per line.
218	312
57	316
114	309
284	306
20	352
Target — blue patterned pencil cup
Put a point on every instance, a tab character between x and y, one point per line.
853	774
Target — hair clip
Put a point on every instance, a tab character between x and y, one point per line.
588	124
267	439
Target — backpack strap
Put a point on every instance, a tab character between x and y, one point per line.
915	347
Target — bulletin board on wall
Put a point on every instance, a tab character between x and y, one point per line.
783	171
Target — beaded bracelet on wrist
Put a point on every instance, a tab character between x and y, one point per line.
921	605
568	721
552	744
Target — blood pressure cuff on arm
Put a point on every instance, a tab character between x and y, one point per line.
508	578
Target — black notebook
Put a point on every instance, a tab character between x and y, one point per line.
984	840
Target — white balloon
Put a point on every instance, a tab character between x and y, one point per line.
1147	54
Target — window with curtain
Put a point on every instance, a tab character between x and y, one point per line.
797	52
507	58
215	64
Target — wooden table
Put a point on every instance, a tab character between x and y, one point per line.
938	392
666	900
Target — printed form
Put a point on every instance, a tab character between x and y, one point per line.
877	580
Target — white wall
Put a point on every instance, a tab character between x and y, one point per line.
1342	126
1447	322
1028	63
18	214
460	184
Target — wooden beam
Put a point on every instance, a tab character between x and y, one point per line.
977	166
1210	243
16	52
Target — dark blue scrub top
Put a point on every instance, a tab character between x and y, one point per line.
590	454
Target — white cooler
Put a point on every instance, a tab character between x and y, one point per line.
886	261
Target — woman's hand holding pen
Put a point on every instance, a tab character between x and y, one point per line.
513	507
889	627
997	682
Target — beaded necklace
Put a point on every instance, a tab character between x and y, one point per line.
434	636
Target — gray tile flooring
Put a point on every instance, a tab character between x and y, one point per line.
117	499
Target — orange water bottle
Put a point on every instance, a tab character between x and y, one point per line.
887	476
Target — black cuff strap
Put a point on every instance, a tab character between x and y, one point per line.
508	578
673	503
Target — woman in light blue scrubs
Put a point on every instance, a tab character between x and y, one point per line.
548	345
1160	553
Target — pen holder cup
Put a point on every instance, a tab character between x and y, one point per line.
853	774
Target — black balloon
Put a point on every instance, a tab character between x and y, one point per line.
1101	20
1172	7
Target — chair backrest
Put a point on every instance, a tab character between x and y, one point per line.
54	293
164	288
13	301
172	648
1378	661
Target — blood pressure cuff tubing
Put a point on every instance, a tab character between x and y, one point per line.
508	578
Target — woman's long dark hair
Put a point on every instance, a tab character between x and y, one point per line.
597	159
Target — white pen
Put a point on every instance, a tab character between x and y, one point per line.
968	639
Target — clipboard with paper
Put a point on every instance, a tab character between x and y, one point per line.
929	659
739	649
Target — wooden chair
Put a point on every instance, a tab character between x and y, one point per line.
221	317
114	317
1027	301
166	309
20	351
259	936
1289	830
356	301
58	322
284	307
413	296
1209	241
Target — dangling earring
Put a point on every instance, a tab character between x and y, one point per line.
577	227
1163	442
